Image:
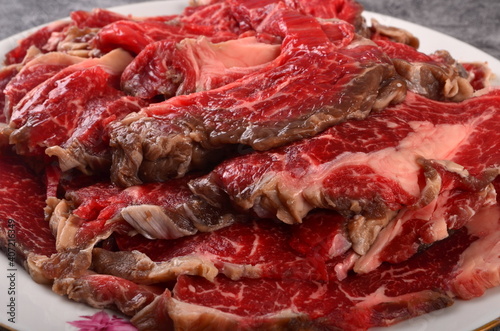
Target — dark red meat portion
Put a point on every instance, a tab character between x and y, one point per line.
33	74
6	75
380	298
213	21
38	39
22	220
107	292
257	110
262	247
241	177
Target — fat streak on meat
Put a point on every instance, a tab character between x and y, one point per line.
172	68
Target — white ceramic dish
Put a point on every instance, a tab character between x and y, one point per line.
38	308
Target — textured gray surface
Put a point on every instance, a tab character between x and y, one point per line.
474	22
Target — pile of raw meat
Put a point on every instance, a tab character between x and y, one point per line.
249	164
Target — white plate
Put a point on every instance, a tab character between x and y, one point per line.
38	308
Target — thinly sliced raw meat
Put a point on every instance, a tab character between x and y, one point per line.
33	74
91	214
38	39
6	75
104	291
212	18
479	266
4	138
437	76
413	229
155	210
339	80
321	235
139	35
256	249
87	149
367	170
32	234
99	18
346	10
479	75
390	294
192	65
379	32
24	232
213	21
53	111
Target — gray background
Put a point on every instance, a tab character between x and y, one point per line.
474	22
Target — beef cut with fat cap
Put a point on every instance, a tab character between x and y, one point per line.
368	170
338	75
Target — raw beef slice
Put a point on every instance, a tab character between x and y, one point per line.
212	21
337	75
67	113
156	210
368	170
107	292
24	233
437	76
39	39
34	73
251	249
431	280
7	73
168	68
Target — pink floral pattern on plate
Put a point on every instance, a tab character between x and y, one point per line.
101	321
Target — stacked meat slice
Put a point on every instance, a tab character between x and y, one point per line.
249	164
